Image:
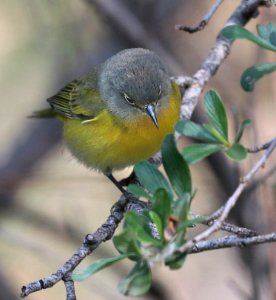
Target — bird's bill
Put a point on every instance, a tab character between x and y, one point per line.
150	109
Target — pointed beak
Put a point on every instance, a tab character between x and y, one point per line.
150	109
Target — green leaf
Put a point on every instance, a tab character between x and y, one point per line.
236	152
137	282
176	167
161	203
234	32
196	152
244	124
182	207
127	242
140	225
189	223
267	32
195	131
253	74
216	113
97	266
150	177
138	191
175	261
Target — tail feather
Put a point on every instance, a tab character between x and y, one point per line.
43	114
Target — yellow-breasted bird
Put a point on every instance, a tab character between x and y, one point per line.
119	113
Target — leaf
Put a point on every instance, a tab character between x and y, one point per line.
140	225
236	152
138	281
196	152
161	204
190	223
234	32
195	131
182	207
244	124
216	113
267	32
253	74
175	261
150	177
97	266
127	242
138	191
176	167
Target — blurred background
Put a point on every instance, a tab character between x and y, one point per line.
48	201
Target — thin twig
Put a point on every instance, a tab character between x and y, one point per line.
203	22
231	201
231	241
258	148
240	231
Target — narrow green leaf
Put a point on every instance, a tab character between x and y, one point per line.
127	242
234	32
195	131
182	207
161	204
253	74
97	266
175	261
196	152
236	152
140	225
267	32
216	113
137	282
189	223
150	177
176	167
138	191
244	124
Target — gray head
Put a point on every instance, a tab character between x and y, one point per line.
134	81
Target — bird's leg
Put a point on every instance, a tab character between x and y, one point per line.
130	179
115	182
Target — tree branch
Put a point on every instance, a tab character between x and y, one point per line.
203	22
231	241
224	210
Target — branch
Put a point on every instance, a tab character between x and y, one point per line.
231	241
224	211
216	56
203	22
91	242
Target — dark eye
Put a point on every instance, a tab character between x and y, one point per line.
128	99
160	90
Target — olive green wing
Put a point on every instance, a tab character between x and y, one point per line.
80	99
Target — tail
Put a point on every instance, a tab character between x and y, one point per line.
44	114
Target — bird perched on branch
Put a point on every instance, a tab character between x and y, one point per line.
119	113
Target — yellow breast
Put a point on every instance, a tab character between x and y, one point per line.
105	144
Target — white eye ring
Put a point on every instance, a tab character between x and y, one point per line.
128	99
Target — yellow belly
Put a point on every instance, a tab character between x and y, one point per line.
104	144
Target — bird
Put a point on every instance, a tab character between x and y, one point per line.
119	112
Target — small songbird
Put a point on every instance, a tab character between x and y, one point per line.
119	113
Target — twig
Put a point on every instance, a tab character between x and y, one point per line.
91	242
70	287
203	22
231	241
240	231
258	148
243	13
231	201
